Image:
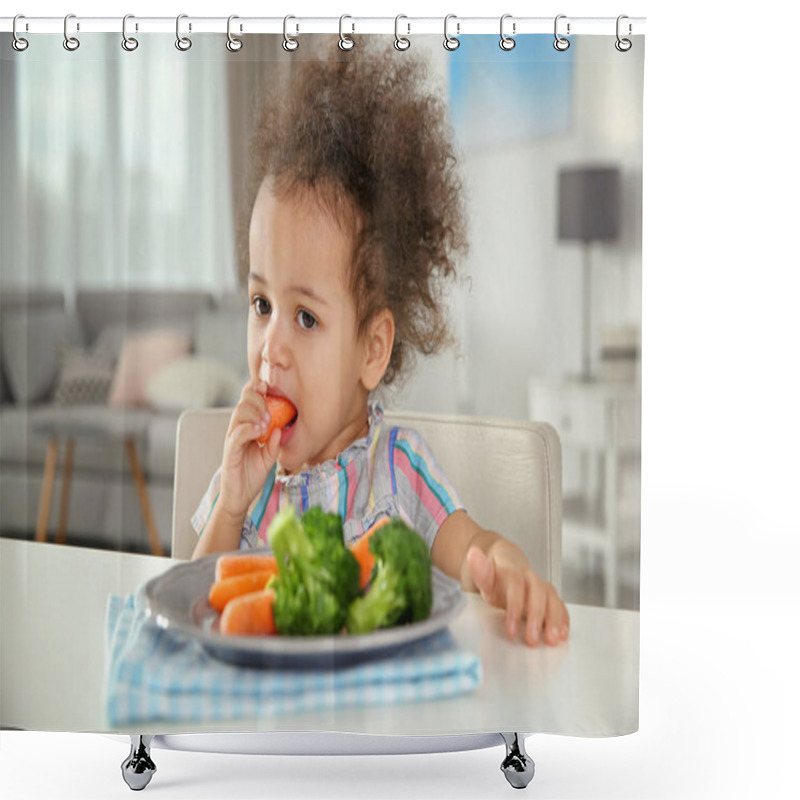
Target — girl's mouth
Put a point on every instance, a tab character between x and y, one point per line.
288	430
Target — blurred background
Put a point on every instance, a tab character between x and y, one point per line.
120	195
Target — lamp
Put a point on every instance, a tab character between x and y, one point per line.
588	211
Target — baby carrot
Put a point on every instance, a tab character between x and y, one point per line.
249	615
222	592
360	549
231	564
281	412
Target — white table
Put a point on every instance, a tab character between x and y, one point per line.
52	613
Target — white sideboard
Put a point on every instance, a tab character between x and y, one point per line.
601	422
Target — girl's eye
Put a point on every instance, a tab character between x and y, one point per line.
261	306
306	320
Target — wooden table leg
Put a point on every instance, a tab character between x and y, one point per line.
46	494
66	484
141	487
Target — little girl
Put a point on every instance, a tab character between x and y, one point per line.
356	219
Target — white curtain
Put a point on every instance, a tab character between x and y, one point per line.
120	167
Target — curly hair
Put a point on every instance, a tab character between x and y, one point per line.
362	131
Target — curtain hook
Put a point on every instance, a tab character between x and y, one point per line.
561	43
506	42
450	42
623	45
182	42
19	44
70	42
290	43
234	44
345	42
128	42
401	42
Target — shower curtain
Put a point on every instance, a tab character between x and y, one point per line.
129	170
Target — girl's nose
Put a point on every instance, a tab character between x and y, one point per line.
275	350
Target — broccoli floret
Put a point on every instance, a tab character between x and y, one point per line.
401	590
323	527
317	575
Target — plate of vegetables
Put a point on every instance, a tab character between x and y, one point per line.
314	603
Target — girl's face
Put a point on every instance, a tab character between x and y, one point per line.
301	330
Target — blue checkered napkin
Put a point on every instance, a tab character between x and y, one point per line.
155	675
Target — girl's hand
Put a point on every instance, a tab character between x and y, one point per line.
246	464
528	600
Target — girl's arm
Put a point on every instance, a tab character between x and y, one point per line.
484	561
222	532
245	466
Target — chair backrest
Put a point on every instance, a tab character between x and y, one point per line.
507	473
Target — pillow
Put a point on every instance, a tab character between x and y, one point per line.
193	381
141	357
112	337
32	338
85	377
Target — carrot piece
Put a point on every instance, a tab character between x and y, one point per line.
281	412
249	615
222	592
360	549
231	564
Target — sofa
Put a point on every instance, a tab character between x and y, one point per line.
111	356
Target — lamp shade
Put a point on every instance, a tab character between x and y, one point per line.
589	203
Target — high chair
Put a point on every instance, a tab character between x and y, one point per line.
508	475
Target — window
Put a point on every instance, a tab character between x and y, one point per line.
120	163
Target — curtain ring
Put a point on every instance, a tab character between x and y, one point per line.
345	42
450	42
234	44
623	45
182	42
401	42
70	42
290	43
506	42
19	44
561	43
128	42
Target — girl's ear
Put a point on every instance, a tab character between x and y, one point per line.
377	348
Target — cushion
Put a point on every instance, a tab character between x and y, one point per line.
85	377
141	357
112	337
32	340
22	298
193	382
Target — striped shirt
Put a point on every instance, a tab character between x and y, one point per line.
390	472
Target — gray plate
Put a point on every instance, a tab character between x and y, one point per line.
178	600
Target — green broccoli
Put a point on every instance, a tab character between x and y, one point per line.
400	590
318	576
